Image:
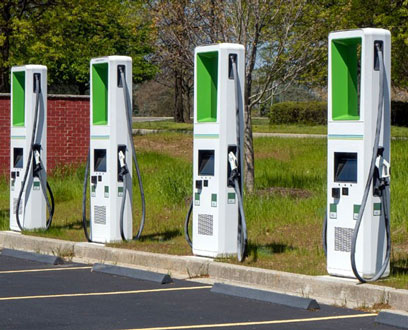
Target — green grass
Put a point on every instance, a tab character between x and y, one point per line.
397	131
259	125
4	203
284	214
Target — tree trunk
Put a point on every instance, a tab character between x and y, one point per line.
4	71
187	110
249	177
4	82
82	88
178	98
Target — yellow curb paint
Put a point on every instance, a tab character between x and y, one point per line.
67	295
41	270
246	324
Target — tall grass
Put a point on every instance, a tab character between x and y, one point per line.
4	203
284	214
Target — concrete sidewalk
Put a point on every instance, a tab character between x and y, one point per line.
144	131
139	119
325	289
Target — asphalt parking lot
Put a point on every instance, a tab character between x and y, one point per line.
41	296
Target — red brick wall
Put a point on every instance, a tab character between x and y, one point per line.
68	131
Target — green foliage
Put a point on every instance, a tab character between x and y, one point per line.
334	15
315	113
12	13
395	19
311	113
399	113
67	35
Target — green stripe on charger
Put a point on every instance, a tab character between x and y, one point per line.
100	137
206	136
345	137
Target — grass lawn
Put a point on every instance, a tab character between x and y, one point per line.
284	214
259	125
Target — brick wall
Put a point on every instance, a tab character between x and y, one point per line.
68	131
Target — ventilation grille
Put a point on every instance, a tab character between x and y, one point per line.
20	211
100	214
205	224
342	239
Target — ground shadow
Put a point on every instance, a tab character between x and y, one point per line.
73	225
399	267
160	237
254	250
156	237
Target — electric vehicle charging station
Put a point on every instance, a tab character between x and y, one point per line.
28	150
357	219
219	227
111	152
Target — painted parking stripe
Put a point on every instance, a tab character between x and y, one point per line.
246	324
42	270
67	295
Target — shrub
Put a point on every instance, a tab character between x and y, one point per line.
399	113
315	113
310	113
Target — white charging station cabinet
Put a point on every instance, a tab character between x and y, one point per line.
215	208
32	209
353	96
108	136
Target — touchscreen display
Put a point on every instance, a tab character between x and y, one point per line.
18	158
100	160
206	162
345	167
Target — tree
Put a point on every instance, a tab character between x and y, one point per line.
393	15
275	35
11	12
335	15
173	50
67	35
182	25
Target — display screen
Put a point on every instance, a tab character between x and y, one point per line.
206	162
100	160
18	157
345	167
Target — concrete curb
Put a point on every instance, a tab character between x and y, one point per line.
193	267
262	295
324	289
17	241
